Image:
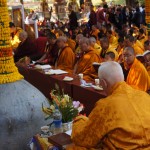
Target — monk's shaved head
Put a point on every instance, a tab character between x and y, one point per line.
130	49
110	73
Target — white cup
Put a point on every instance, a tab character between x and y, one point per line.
80	76
97	82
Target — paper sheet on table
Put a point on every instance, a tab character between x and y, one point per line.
57	71
69	132
43	66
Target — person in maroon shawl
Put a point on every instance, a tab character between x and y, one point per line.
25	48
92	17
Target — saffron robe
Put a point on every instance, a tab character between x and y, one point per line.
85	65
65	60
138	76
119	121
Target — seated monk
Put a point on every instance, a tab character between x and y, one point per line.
84	64
147	61
25	48
113	41
135	72
130	42
109	56
51	52
66	56
15	31
94	45
119	121
107	48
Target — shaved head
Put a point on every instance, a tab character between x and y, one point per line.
130	49
110	73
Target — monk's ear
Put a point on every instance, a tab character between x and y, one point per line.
103	83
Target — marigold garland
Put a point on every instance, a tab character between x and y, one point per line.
147	12
8	70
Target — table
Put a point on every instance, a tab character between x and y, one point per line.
45	83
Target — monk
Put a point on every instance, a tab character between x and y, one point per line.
85	63
15	31
66	57
130	42
96	46
147	61
119	121
26	47
109	56
113	41
107	48
135	72
51	50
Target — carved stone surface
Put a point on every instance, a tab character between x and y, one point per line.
21	115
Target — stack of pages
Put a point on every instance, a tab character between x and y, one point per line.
56	71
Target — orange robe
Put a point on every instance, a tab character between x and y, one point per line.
120	121
84	65
138	76
71	43
148	70
95	33
65	60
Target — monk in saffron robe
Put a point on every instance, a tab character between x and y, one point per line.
119	121
147	61
135	72
106	47
130	42
85	63
66	57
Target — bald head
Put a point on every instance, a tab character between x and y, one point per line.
130	49
111	72
128	55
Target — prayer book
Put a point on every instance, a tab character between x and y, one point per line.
60	140
140	57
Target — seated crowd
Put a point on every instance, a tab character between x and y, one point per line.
121	120
77	55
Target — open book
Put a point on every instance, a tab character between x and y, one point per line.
42	67
55	71
140	57
96	66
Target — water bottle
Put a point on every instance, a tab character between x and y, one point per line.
57	122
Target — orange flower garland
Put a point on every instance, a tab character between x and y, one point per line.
147	11
8	70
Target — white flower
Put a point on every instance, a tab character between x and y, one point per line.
66	97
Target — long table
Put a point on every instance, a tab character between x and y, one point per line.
45	83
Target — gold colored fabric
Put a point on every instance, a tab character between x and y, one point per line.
71	43
119	121
138	76
112	49
98	48
137	49
113	41
15	41
84	65
43	143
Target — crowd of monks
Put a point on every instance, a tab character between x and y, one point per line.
77	53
